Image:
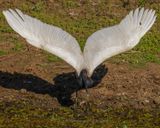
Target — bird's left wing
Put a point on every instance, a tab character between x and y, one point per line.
113	40
47	37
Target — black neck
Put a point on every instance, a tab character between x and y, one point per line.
84	80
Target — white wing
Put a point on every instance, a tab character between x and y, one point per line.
47	37
113	40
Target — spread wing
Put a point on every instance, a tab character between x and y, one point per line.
111	41
47	37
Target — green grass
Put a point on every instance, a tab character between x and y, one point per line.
2	53
18	46
52	58
21	114
70	4
142	2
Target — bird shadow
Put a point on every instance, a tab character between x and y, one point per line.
64	85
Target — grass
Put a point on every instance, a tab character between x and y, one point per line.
52	58
18	47
23	114
70	4
2	53
141	2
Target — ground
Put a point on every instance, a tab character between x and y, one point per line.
38	89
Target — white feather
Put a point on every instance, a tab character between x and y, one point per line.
100	46
47	37
111	41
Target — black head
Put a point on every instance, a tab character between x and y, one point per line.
84	81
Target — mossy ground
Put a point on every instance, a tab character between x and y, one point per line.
21	114
81	19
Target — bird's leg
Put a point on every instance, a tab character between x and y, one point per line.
88	96
76	97
88	84
88	99
87	92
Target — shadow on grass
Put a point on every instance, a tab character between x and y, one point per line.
64	84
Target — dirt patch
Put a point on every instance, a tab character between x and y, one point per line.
37	81
126	86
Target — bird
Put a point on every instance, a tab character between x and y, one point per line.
100	46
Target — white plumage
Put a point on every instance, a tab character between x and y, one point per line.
47	37
100	46
111	41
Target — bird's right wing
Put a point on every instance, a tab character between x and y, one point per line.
47	37
111	41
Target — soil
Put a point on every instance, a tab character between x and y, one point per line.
52	84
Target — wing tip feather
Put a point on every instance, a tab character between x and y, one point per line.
4	12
